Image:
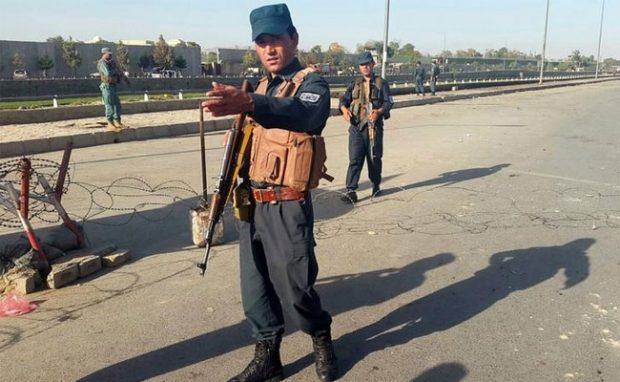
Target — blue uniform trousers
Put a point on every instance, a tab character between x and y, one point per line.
419	85
279	268
112	103
359	150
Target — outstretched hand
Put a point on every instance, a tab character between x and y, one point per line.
230	100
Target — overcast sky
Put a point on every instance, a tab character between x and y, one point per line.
430	25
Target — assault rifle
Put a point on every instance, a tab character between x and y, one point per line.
235	155
371	131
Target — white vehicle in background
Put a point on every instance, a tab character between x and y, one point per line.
20	74
164	73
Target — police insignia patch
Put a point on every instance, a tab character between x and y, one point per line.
309	97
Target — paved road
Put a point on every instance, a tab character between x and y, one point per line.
491	257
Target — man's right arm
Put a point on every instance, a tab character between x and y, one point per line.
345	103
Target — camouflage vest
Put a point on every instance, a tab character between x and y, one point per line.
360	99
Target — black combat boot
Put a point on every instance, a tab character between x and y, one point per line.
266	365
325	358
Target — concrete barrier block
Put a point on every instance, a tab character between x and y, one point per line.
116	258
106	137
59	143
25	285
127	135
193	128
88	265
12	149
210	125
143	133
223	124
37	146
179	128
83	140
62	274
161	131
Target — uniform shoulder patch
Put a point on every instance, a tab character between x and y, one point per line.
309	97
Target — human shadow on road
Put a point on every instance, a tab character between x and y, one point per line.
446	372
340	294
508	272
449	178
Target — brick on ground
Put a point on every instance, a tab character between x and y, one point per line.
88	260
62	274
116	258
22	282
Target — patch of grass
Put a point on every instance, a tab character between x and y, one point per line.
77	101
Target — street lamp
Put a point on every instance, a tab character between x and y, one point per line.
542	58
385	37
600	36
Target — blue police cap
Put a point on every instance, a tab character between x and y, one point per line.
270	19
364	58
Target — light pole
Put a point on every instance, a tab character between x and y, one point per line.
600	36
385	37
542	58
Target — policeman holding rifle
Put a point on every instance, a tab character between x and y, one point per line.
364	105
288	112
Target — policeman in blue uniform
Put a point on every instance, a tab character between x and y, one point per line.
419	75
111	75
277	261
364	105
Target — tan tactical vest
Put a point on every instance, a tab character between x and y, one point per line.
284	157
360	97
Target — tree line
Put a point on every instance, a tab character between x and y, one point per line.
339	58
160	56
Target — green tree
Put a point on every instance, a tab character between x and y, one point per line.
315	55
122	56
71	55
393	48
210	57
163	55
445	54
56	40
347	64
145	61
408	53
335	53
249	59
45	64
576	59
18	61
471	52
180	63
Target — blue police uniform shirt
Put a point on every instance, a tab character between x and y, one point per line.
306	112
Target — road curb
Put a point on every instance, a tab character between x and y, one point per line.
38	146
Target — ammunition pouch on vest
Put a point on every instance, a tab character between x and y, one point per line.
359	100
284	157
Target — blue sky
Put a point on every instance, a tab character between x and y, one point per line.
430	25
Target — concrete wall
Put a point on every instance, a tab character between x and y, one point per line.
90	54
67	87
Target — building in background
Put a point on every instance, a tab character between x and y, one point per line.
31	53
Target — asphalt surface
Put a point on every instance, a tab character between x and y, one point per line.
491	256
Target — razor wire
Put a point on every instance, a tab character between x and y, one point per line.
128	196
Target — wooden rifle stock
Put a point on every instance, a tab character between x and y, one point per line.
371	132
235	153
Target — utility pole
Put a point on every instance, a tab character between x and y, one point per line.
542	58
600	37
385	37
